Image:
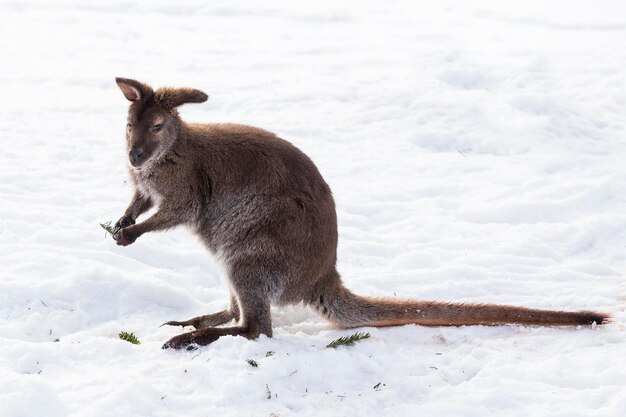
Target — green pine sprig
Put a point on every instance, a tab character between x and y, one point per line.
348	340
129	337
113	230
252	363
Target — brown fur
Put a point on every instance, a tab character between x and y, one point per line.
262	208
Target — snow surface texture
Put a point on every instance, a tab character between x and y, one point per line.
476	153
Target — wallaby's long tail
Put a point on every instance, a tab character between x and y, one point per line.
346	309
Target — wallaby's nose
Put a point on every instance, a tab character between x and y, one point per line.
135	155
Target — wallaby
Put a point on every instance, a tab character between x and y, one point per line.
261	207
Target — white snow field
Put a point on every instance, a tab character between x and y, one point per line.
477	153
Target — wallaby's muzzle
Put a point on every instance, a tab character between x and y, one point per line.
135	155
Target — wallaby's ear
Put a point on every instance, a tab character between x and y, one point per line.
173	97
133	90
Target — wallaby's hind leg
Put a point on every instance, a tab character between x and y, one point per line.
256	320
211	320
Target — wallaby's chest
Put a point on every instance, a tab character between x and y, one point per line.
149	188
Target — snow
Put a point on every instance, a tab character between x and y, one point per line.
476	152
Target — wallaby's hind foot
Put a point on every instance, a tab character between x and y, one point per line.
203	337
202	322
256	320
189	340
210	320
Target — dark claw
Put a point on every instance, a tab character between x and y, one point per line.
174	323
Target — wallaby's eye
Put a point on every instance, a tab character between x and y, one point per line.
157	127
129	126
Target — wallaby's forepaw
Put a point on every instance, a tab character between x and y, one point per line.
124	221
191	340
126	236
